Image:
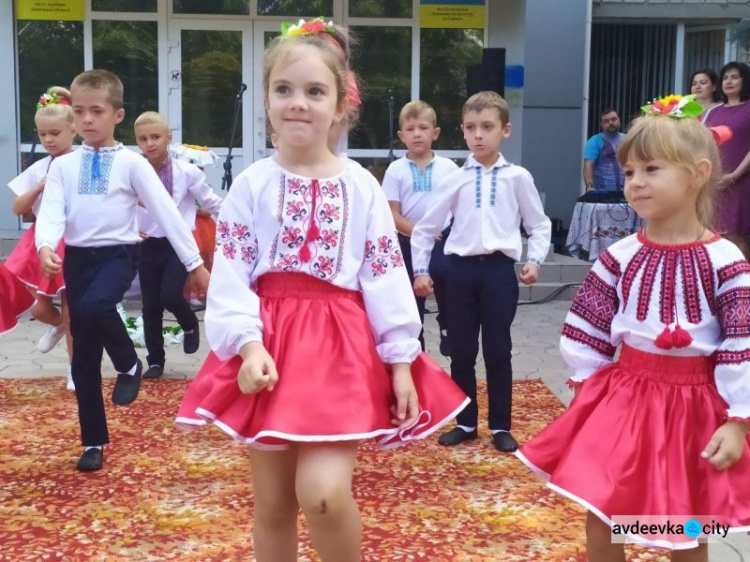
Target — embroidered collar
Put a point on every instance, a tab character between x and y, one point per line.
651	244
432	160
104	149
471	162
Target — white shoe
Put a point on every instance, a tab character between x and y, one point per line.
49	340
70	385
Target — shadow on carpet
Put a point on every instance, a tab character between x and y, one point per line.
168	494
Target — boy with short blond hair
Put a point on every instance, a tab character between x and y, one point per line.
90	197
489	199
162	276
408	184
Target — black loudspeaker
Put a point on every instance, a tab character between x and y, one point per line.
489	75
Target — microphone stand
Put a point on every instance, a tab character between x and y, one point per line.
226	181
391	102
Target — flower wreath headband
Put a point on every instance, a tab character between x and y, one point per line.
50	98
318	26
685	107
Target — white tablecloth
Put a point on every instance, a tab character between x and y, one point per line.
594	227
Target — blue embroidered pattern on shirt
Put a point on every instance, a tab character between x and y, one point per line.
95	169
493	191
478	188
421	181
478	185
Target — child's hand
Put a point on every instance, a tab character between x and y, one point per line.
51	262
529	273
201	212
406	409
197	282
725	447
423	285
258	370
143	235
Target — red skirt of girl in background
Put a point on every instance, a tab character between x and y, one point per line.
15	299
333	385
24	263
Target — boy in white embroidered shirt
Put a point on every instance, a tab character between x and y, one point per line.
90	197
489	198
161	274
408	184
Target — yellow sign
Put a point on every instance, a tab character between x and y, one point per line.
467	15
68	10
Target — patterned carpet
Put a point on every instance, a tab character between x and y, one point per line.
167	494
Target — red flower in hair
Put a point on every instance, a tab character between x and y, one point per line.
314	26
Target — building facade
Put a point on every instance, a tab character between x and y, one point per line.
189	58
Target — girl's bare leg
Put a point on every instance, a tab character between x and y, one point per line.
276	507
324	492
599	547
44	311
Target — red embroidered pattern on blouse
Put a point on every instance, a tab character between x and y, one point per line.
597	344
234	238
690	287
647	285
732	357
381	256
734	312
694	263
610	263
734	269
596	303
295	219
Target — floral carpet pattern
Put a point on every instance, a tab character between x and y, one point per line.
168	494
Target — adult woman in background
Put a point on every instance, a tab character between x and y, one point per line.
733	205
704	85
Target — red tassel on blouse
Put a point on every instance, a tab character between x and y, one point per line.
681	338
665	339
313	232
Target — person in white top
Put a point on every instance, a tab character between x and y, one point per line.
91	197
310	316
54	125
661	431
162	276
489	198
409	184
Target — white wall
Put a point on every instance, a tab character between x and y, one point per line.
9	122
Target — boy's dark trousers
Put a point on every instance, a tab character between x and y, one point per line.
95	281
483	293
162	277
439	265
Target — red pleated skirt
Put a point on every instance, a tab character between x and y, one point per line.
24	263
15	299
631	443
332	386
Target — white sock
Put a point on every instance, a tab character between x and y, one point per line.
443	333
93	447
466	428
131	372
499	431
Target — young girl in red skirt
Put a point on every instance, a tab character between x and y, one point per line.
310	316
54	124
660	433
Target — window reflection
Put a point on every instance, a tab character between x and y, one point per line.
380	8
129	49
310	8
225	7
123	5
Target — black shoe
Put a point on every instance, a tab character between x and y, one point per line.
127	386
153	372
504	442
91	460
456	436
445	346
191	341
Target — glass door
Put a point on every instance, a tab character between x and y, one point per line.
263	33
209	61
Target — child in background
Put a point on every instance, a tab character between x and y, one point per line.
161	274
489	198
91	197
310	316
54	125
408	184
662	431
